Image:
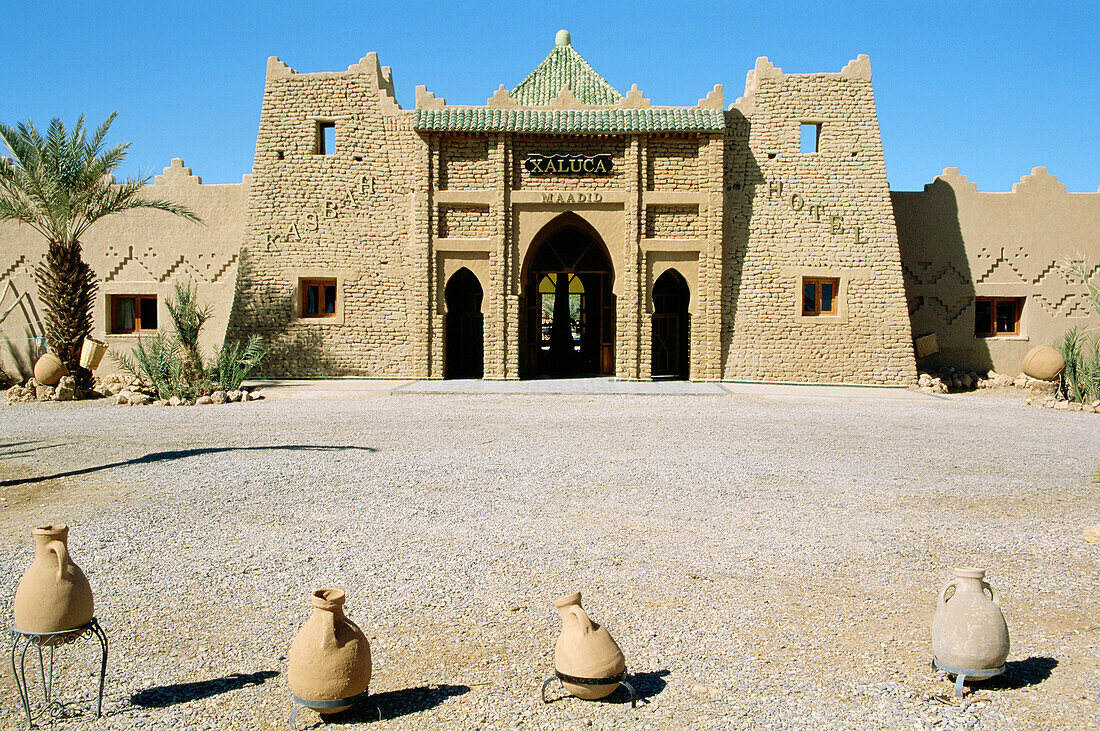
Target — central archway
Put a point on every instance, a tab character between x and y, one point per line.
569	303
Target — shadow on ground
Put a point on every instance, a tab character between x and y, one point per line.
162	696
180	454
1022	673
395	703
6	451
646	685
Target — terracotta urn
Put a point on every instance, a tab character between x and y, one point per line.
49	369
968	629
585	650
1044	363
330	656
53	595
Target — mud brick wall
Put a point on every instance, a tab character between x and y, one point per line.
825	214
673	164
464	163
343	215
460	221
672	222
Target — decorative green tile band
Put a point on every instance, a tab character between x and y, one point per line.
606	121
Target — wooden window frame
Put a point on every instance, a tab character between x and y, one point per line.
817	282
991	330
112	302
320	147
322	283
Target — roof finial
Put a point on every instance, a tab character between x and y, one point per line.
562	38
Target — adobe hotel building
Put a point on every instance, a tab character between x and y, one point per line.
566	228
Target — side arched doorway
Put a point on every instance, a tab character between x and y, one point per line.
569	327
464	356
671	326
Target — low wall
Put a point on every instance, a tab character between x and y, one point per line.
135	253
959	244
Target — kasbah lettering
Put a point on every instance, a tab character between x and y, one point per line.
327	208
798	203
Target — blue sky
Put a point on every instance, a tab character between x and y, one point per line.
991	88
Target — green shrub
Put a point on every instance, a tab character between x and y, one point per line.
156	360
1081	379
173	364
231	365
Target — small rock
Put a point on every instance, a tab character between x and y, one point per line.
114	388
255	396
140	399
1089	408
160	402
123	399
1092	535
175	401
1061	405
218	397
43	393
233	396
66	389
203	401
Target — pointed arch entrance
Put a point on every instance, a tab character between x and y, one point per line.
464	328
569	308
671	326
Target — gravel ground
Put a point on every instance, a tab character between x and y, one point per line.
763	562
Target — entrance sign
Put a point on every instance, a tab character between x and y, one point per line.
568	164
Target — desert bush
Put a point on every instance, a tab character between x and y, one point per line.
1081	379
173	363
231	365
156	360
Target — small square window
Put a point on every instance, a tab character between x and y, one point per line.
326	138
133	313
819	295
997	316
811	137
318	297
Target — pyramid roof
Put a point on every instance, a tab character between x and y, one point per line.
564	67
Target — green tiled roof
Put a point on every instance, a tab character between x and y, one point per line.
564	66
608	121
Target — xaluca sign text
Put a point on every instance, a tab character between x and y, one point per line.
568	164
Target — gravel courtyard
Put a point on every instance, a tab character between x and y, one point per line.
764	562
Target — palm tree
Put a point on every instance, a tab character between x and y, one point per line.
59	185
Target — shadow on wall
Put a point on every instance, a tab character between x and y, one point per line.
742	176
162	696
939	285
295	350
20	331
172	455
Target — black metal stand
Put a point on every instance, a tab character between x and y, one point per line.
563	678
961	675
323	705
21	642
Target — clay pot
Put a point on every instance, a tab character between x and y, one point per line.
585	650
53	595
49	369
330	656
968	630
1044	363
91	353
